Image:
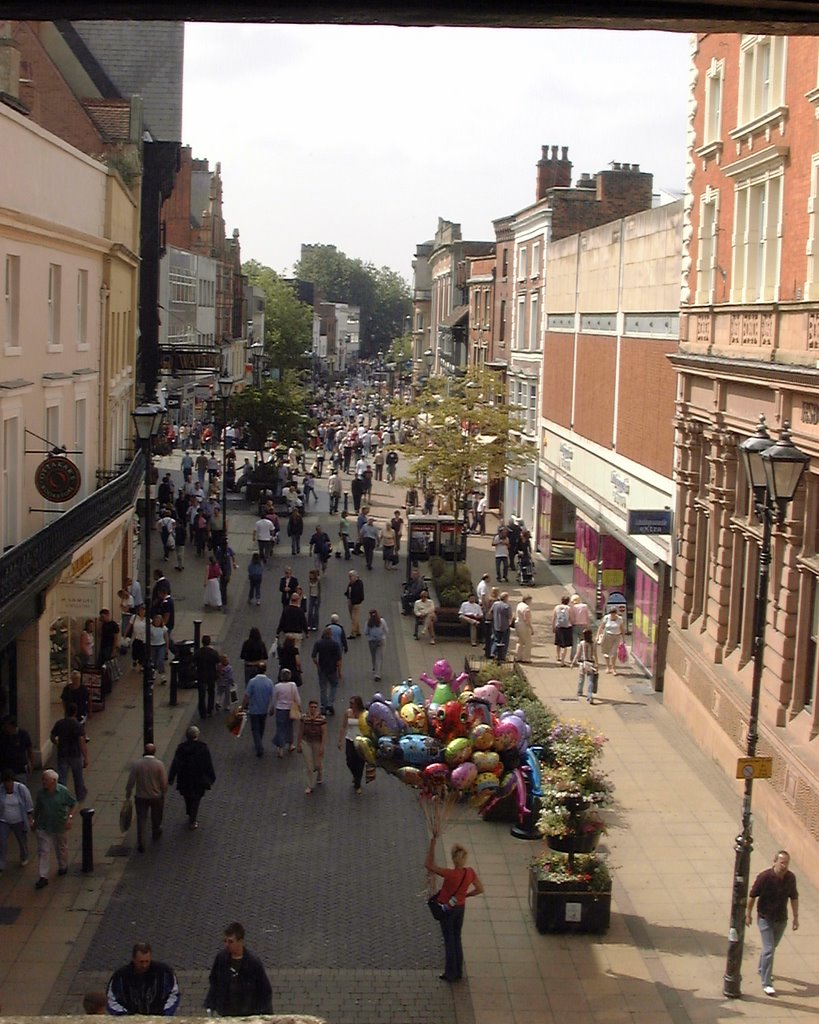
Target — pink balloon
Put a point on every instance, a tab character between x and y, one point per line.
463	777
442	669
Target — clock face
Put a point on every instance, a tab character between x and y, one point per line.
57	479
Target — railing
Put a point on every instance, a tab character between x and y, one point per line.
32	563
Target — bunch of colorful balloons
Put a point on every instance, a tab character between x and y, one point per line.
452	747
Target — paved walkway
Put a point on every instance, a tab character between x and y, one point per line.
329	886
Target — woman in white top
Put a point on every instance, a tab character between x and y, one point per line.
610	635
137	630
376	633
349	731
523	629
285	696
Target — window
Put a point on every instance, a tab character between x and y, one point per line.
812	249
535	259
522	262
707	260
486	307
757	229
812	646
82	307
534	323
531	412
54	282
505	263
12	292
502	324
712	125
520	327
476	308
761	76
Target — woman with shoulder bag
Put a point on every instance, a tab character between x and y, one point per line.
586	658
459	882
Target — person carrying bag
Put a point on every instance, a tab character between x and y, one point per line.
585	658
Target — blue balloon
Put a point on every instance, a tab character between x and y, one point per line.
419	751
534	769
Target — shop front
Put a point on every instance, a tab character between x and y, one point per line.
586	489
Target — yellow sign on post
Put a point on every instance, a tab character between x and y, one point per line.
754	767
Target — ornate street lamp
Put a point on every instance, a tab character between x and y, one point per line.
224	387
147	422
774	469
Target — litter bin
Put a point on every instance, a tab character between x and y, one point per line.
186	678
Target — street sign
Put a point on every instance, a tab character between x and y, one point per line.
645	522
754	767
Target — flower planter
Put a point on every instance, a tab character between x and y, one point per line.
568	906
585	843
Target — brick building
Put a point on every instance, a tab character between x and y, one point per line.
749	345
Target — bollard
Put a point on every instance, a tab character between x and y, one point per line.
346	501
174	682
197	634
87	815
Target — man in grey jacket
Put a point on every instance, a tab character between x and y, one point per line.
148	781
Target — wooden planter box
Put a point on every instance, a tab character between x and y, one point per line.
567	906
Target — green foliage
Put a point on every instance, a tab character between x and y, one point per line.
381	293
460	426
586	871
288	323
453	582
276	408
400	350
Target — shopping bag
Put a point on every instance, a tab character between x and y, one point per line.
622	653
236	721
126	815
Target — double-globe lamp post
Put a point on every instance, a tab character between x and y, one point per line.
225	388
774	470
147	422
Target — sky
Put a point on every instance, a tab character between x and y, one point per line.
362	137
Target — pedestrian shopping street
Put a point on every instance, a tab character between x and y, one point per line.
331	887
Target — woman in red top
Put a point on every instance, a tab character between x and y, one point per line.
459	882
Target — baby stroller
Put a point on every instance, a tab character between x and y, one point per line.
526	572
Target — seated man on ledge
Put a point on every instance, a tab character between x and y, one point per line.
412	591
471	613
424	609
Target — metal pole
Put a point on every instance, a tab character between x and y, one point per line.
224	477
744	842
87	815
147	667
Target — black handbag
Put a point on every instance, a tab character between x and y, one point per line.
440	910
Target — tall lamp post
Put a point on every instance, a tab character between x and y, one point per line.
147	421
774	469
225	387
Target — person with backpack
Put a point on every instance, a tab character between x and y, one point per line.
562	626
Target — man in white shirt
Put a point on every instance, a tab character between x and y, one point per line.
483	505
263	535
424	609
360	466
483	587
471	613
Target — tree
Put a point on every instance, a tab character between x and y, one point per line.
288	323
400	350
382	295
460	426
276	408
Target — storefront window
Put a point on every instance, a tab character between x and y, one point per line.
644	633
59	640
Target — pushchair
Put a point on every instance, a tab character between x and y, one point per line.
526	572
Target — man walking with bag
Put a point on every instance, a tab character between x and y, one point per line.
150	781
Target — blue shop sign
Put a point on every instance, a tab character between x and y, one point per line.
645	522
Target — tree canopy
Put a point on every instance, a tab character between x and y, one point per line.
382	294
461	426
275	408
288	323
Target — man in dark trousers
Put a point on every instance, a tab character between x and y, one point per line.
239	986
773	888
143	987
192	770
207	666
68	736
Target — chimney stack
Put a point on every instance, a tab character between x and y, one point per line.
553	171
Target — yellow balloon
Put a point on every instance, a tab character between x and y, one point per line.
364	725
365	748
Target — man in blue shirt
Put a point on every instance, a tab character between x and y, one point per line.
257	703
